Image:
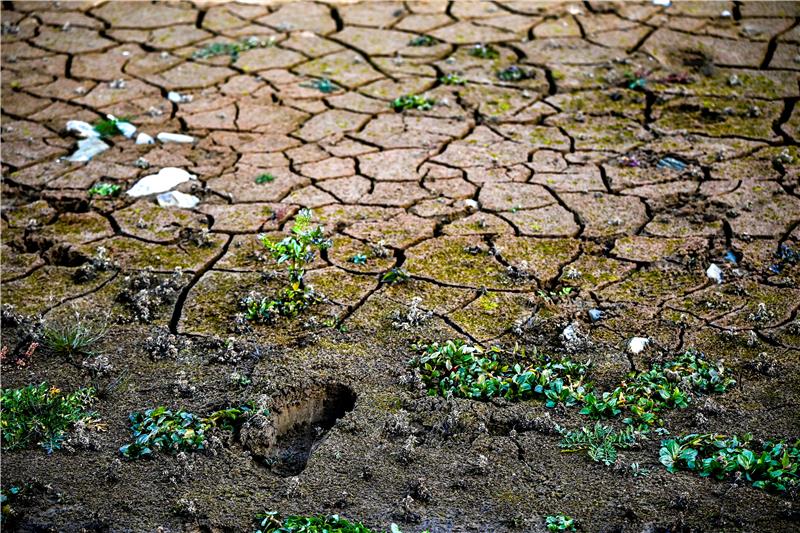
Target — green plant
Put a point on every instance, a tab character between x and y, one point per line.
104	189
560	523
452	79
231	49
323	85
423	40
395	275
161	429
514	73
359	259
73	338
295	251
264	178
412	101
771	466
600	442
552	297
272	522
484	51
41	414
459	369
108	126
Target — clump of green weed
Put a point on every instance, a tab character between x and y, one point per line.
71	339
295	251
395	275
266	177
459	369
560	523
272	522
514	73
104	189
161	429
107	127
665	386
424	40
600	442
41	414
452	79
323	85
412	101
771	466
231	49
484	51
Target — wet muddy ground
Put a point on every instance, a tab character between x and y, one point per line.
643	144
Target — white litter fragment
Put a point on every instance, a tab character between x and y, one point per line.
179	98
714	272
83	129
88	148
144	138
126	128
471	204
637	344
166	179
726	14
177	199
570	334
174	138
662	3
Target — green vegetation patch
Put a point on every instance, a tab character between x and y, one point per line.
459	369
452	79
272	522
424	40
161	429
104	189
600	442
412	101
771	466
560	523
484	51
41	414
230	49
266	177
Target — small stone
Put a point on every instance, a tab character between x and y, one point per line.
637	344
714	273
595	315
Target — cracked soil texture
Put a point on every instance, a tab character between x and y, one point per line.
645	144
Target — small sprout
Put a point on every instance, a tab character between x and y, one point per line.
638	471
359	259
231	49
600	443
109	126
265	178
395	275
560	523
452	79
423	40
104	189
323	85
484	51
412	101
272	522
73	338
514	73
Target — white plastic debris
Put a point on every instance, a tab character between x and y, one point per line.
174	138
177	199
126	128
637	344
83	129
178	98
471	204
166	179
662	3
144	138
726	14
714	272
88	148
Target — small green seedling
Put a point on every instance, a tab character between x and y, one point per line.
71	339
395	275
323	85
560	523
452	79
295	251
514	73
484	51
42	414
231	49
600	443
424	40
265	178
359	259
104	189
107	127
412	101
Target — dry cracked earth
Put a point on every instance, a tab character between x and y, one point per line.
643	144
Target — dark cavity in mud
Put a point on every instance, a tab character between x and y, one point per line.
285	440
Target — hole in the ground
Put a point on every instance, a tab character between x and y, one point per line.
285	440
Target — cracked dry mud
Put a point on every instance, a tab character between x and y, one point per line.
499	194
